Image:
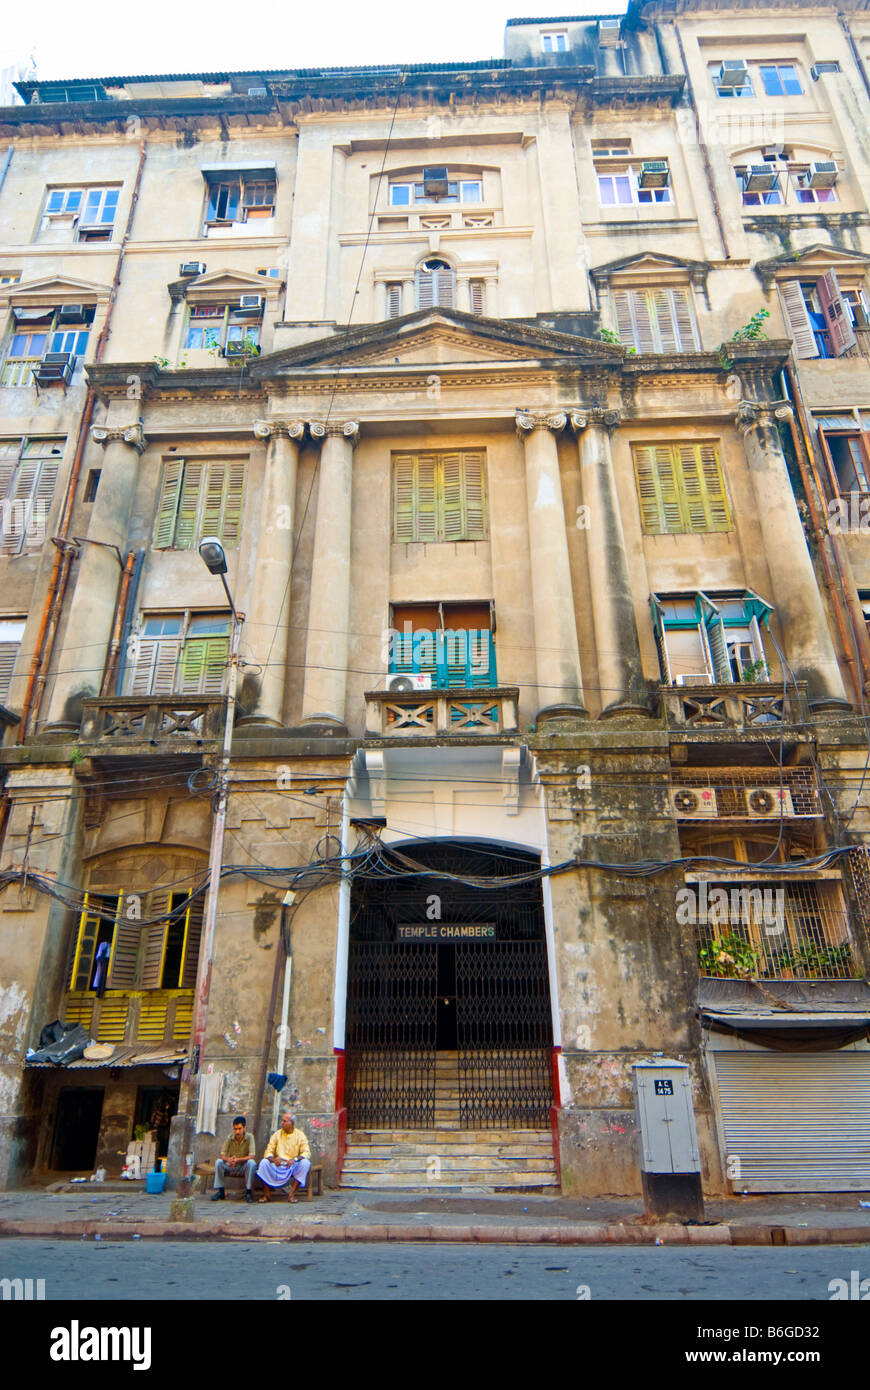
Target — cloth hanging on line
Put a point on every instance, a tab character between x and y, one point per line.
210	1084
277	1080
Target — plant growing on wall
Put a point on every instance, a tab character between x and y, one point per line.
610	337
755	671
753	331
729	956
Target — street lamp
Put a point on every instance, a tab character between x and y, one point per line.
215	560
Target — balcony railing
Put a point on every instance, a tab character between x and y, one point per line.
861	345
133	724
773	931
133	1016
754	705
441	713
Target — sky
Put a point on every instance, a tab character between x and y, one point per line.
105	38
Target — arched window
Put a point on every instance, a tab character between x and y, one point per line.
436	285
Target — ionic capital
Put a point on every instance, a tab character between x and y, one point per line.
272	429
134	435
751	415
609	420
529	420
347	429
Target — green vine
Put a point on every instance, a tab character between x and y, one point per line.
753	331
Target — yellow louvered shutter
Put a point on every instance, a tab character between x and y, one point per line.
86	944
694	491
213	506
188	506
474	469
657	489
167	507
233	503
404	478
713	482
453	528
426	528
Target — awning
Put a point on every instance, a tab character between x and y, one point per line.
787	1014
126	1055
253	168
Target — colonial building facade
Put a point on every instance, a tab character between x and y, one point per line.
529	402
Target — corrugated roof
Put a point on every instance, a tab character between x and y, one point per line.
128	1055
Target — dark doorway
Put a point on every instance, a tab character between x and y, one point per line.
77	1129
155	1107
450	959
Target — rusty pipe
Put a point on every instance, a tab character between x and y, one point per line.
120	611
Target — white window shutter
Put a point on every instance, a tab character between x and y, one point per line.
425	289
477	295
394	301
798	319
684	321
153	672
623	321
446	287
8	653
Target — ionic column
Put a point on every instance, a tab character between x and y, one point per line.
808	645
557	655
619	666
94	602
326	651
266	629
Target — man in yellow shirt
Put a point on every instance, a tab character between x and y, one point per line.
287	1159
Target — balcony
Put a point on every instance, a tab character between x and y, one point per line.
752	707
132	1016
137	725
861	345
772	930
462	713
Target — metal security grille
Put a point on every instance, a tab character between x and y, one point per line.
505	1035
484	1003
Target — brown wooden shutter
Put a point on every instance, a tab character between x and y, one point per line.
665	322
190	959
839	322
125	949
155	934
797	318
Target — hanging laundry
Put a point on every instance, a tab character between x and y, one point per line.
277	1080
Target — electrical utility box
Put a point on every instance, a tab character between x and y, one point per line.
670	1161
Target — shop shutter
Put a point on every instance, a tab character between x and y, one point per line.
167	507
798	1122
797	318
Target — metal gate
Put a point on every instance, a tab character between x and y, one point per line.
505	1035
797	1122
390	1051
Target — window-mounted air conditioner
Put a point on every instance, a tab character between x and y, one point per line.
654	173
759	178
819	69
75	313
734	73
257	92
54	367
404	683
769	803
252	302
609	33
822	174
192	268
693	803
435	182
694	678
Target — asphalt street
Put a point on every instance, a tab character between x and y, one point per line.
274	1270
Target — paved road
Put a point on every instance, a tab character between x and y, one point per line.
115	1270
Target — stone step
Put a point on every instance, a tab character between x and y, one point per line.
432	1136
419	1157
450	1149
409	1182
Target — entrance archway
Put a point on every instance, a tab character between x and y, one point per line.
449	1020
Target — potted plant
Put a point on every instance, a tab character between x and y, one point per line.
730	957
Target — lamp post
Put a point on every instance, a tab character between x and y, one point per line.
215	560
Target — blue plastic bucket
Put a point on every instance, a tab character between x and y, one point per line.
155	1182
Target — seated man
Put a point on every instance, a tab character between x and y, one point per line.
287	1158
237	1153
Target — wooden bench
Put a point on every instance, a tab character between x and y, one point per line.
205	1171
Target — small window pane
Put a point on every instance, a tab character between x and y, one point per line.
472	191
400	195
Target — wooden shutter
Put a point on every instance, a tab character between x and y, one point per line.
213	505
192	936
477	296
445	282
124	959
703	486
798	319
154	670
684	319
664	320
426	498
717	643
623	317
43	495
404	493
452	497
425	288
188	506
642	312
8	652
837	317
167	507
16	514
155	935
474	480
658	493
394	301
233	503
204	665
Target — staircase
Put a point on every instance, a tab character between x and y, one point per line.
447	1156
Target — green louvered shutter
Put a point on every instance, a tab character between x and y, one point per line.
188	506
427	498
404	492
452	498
167	507
474	486
204	665
233	504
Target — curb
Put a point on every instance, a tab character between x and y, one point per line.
568	1233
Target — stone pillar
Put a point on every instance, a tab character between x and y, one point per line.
620	675
94	602
266	629
326	651
796	596
557	656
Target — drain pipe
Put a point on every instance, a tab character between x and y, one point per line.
289	900
851	633
859	62
4	167
132	596
118	624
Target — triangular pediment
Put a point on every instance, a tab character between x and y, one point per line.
55	289
230	283
648	265
437	338
817	259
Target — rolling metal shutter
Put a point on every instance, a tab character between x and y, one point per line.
798	1122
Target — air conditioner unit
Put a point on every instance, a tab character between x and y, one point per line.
435	182
733	74
75	313
822	174
257	92
609	33
694	678
768	803
693	803
55	366
251	301
818	69
192	268
239	348
760	177
654	173
404	683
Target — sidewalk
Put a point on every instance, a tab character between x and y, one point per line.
351	1214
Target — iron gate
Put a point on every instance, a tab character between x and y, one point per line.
390	1052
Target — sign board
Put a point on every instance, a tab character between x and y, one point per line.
446	931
